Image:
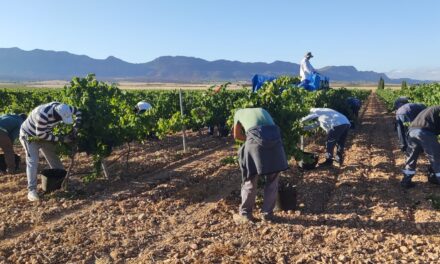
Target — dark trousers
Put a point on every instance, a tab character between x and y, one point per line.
6	145
420	140
336	137
402	131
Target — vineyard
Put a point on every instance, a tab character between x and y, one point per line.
163	205
428	94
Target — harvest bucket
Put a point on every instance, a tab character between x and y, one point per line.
3	162
308	161
286	199
51	179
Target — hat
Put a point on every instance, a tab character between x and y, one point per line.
143	106
309	54
65	112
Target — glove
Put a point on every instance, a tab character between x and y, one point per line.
67	139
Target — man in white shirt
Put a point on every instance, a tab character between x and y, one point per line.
306	69
336	125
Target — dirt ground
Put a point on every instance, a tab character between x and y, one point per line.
165	206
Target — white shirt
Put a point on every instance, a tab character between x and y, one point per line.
143	106
305	69
327	118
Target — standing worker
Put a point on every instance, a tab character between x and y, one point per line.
404	115
262	154
9	131
36	134
336	125
422	136
306	70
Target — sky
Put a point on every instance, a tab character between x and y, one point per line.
400	37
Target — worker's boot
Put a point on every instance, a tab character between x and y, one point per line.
327	163
432	178
339	158
407	182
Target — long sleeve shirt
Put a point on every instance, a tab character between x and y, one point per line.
305	69
41	121
428	119
410	111
327	118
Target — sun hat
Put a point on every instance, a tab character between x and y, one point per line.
65	112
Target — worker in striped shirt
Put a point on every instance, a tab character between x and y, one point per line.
36	134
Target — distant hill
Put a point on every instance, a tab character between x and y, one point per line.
40	65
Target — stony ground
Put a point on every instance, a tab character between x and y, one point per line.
165	206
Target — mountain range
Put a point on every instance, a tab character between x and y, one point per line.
40	65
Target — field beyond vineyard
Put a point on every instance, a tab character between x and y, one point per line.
165	206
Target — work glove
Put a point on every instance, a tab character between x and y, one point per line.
67	139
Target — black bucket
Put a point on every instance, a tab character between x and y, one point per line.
308	161
286	199
3	162
52	179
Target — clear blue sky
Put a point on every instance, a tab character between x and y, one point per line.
370	35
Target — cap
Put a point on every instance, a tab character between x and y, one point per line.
309	54
65	112
143	106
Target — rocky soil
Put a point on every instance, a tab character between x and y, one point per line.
165	206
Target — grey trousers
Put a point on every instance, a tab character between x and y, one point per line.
420	140
336	137
32	157
249	193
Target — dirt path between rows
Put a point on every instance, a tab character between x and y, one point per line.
182	213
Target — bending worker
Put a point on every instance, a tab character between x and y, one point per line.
37	134
262	154
404	115
336	125
9	131
422	137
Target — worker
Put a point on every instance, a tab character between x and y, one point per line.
262	154
306	70
400	101
336	125
36	134
422	137
223	131
355	105
405	115
9	132
142	107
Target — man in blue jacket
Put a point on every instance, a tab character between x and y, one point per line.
9	132
404	115
422	137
